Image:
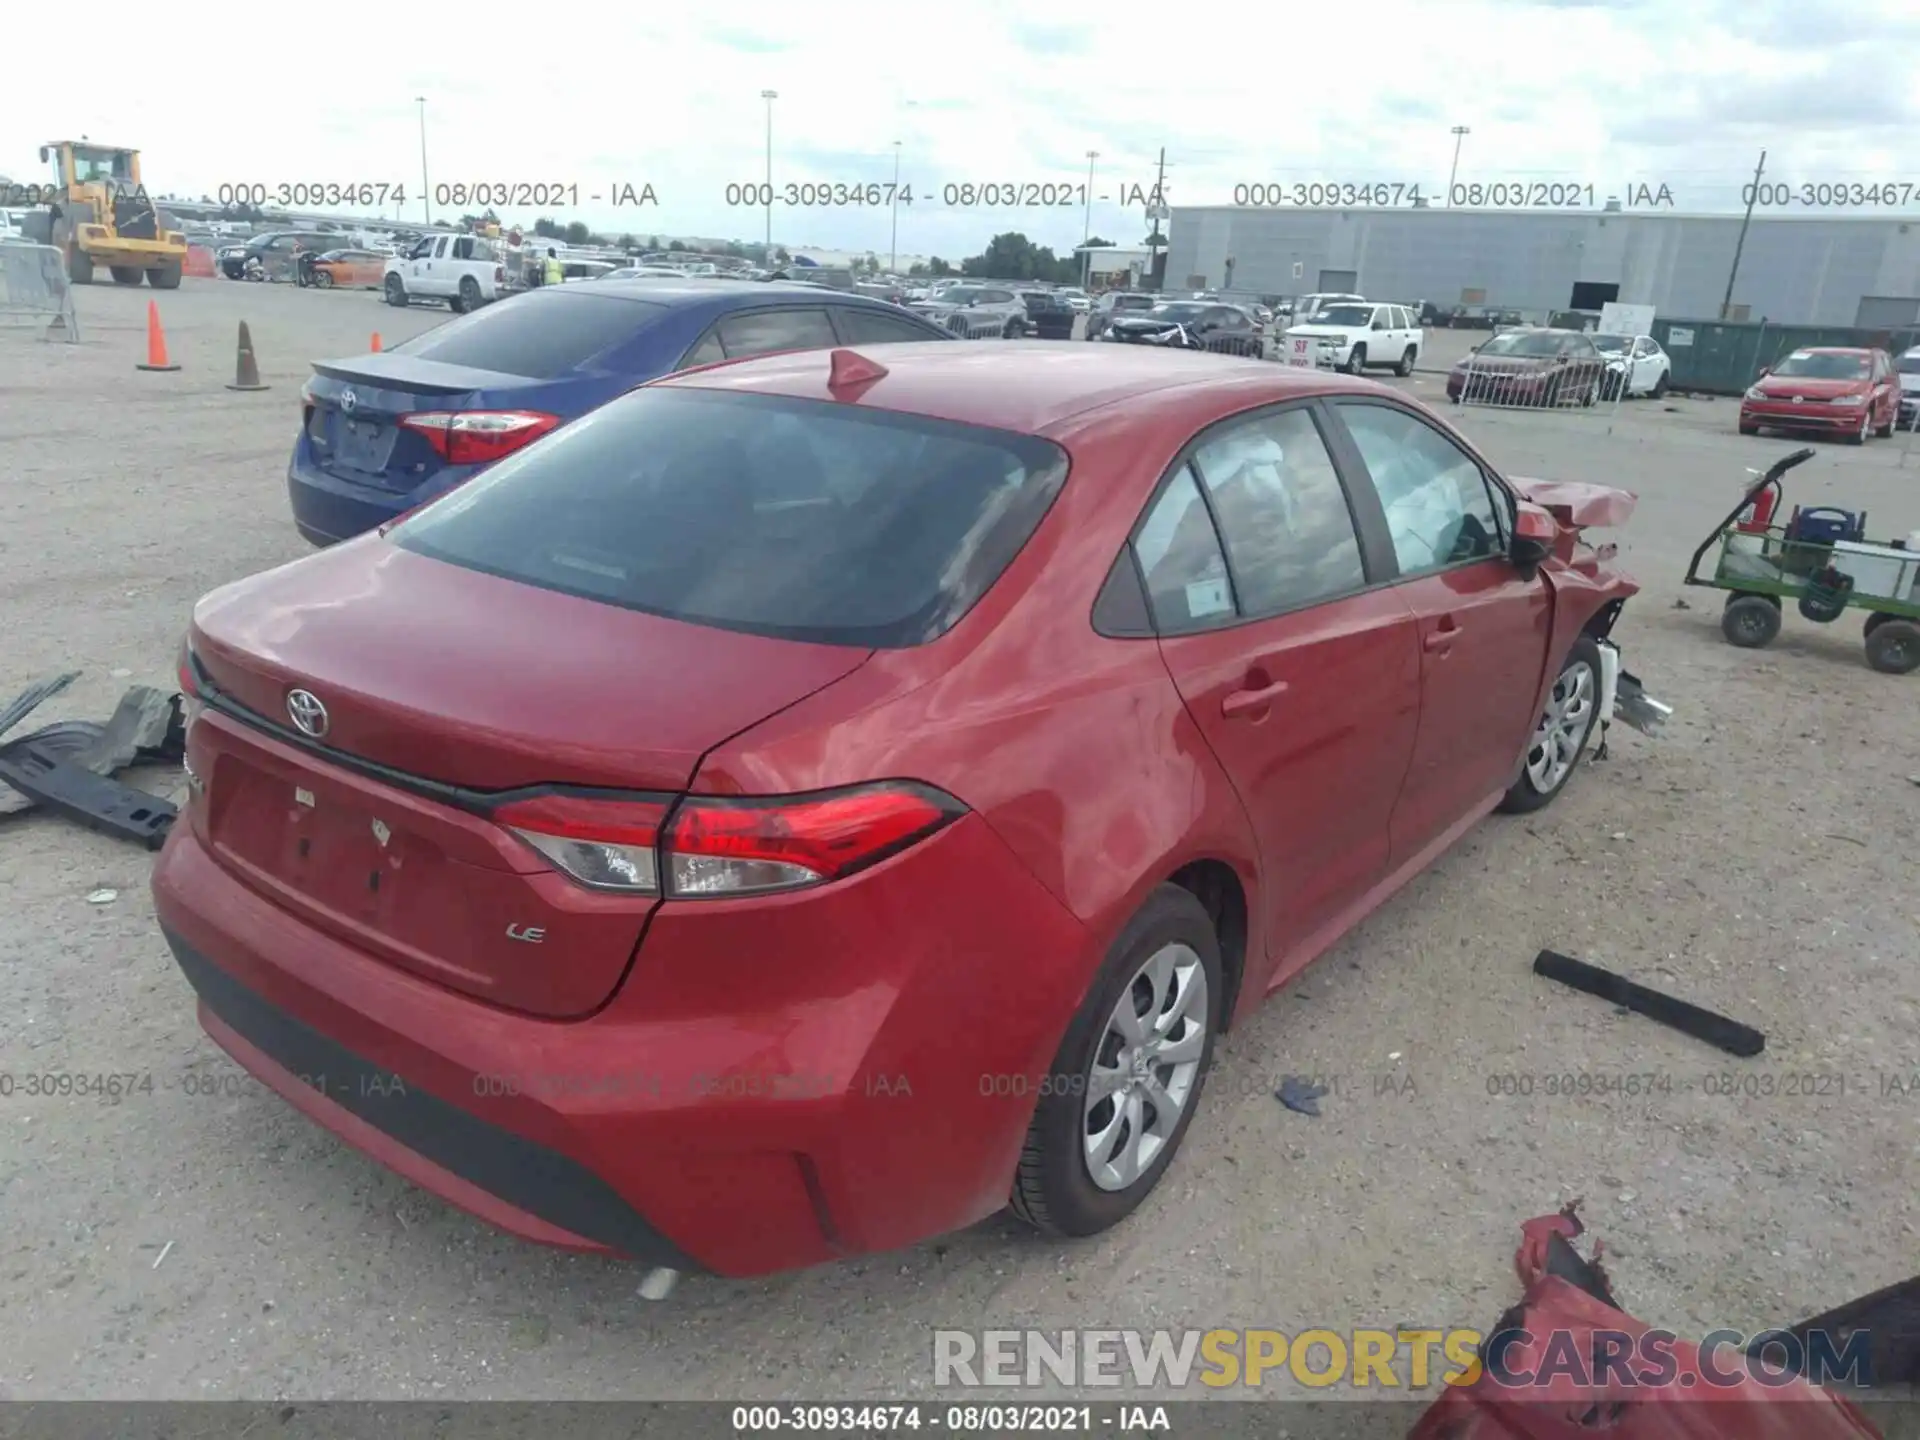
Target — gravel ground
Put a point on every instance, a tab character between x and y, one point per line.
200	1240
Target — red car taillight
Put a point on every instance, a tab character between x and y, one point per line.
478	437
713	846
184	672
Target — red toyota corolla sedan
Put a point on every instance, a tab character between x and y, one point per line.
813	803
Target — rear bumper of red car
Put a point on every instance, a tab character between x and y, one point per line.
796	1125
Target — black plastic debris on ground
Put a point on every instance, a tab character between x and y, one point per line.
1717	1030
1299	1096
68	766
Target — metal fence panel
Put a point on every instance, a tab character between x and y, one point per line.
34	290
1523	382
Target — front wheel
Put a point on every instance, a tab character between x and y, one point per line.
1750	621
1659	391
1356	360
165	277
323	279
396	289
1560	738
1128	1075
1014	330
127	274
1859	436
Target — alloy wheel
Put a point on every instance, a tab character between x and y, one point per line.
1563	728
1145	1067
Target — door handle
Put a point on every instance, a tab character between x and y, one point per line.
1441	638
1242	702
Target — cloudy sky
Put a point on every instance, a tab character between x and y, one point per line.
1616	94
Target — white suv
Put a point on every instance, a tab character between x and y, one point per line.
1359	335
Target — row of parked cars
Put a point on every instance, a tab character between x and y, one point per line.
842	789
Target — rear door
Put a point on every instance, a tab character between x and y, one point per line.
1483	628
1302	676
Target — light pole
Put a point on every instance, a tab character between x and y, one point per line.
893	257
769	96
426	195
1086	255
1460	132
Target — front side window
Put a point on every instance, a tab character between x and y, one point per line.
1440	511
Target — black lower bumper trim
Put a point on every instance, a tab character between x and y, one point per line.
529	1176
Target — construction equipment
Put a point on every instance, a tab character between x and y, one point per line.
100	214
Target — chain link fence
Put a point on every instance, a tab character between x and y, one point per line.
34	290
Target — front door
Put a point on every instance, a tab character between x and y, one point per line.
1303	681
1483	627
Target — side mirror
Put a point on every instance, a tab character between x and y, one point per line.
1765	370
1534	531
43	154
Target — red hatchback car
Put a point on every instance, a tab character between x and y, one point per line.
809	805
1851	393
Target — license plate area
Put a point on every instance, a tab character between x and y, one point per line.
364	445
320	844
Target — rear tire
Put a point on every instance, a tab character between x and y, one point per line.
396	290
1893	647
80	267
165	277
127	274
1750	621
1405	367
470	297
1167	953
1559	740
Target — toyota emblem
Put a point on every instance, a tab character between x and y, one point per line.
309	716
349	402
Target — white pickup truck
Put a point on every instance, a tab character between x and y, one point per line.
463	270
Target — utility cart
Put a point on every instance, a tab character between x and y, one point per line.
1820	559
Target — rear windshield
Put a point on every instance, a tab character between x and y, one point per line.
798	519
541	336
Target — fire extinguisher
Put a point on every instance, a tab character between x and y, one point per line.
1758	513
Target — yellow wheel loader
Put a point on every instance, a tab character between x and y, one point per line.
99	214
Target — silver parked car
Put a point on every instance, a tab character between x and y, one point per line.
977	312
1117	302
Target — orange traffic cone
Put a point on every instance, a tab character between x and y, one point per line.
246	370
156	341
376	342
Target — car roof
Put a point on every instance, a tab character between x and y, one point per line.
719	295
1834	350
1036	388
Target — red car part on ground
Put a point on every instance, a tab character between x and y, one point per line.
1560	1314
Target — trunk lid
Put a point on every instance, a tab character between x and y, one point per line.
520	687
354	408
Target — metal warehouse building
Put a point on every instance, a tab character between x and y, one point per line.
1807	269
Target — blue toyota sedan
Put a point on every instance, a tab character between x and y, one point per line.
383	432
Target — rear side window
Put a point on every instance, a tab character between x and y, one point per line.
1180	558
1281	506
541	335
861	326
791	518
772	330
